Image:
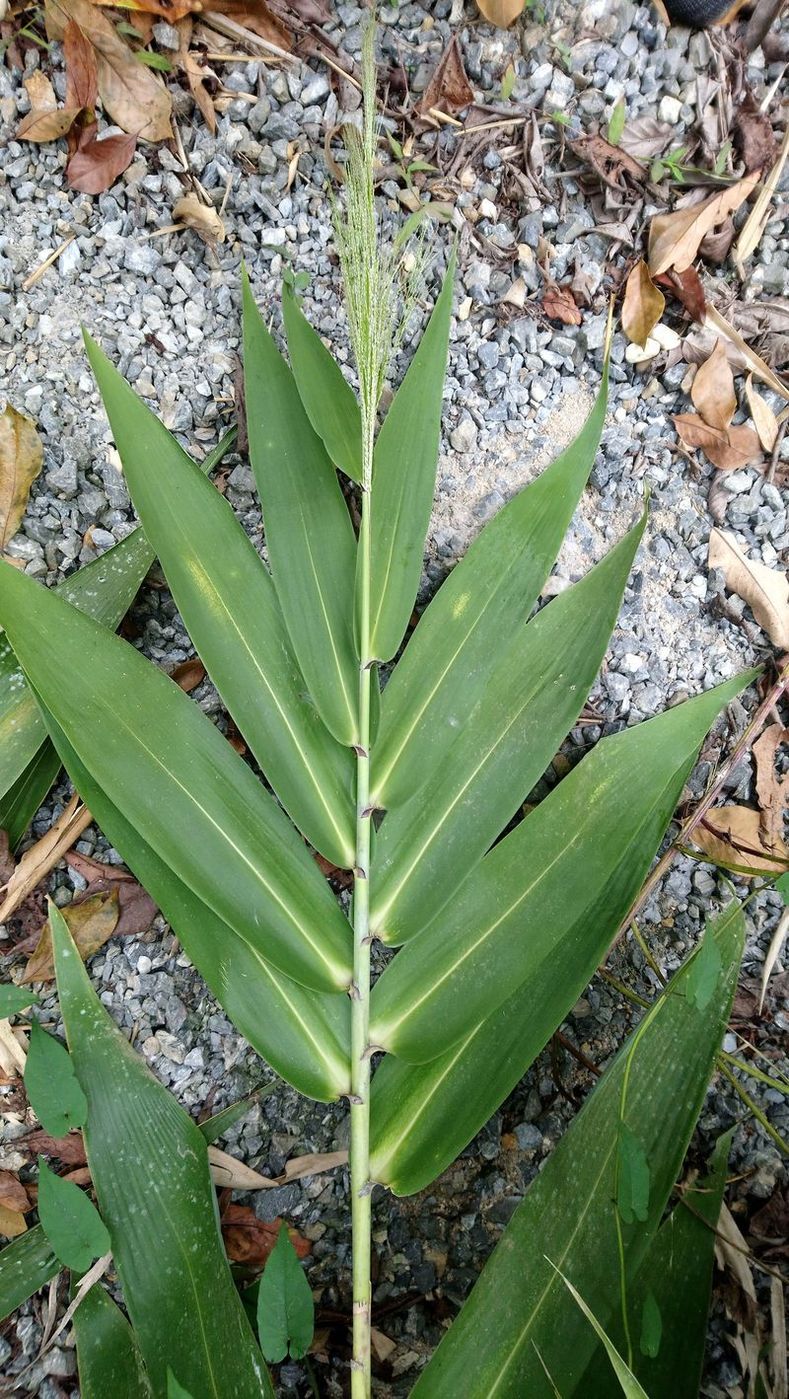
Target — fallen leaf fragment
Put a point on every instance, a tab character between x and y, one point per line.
729	449
203	218
753	135
686	287
773	953
13	1195
12	1223
21	456
44	122
189	674
766	590
772	787
96	165
137	909
91	922
674	239
645	137
70	1150
12	1050
712	392
230	1174
502	13
250	1240
643	305
44	855
382	1345
558	303
448	89
82	83
748	357
764	419
758	218
731	836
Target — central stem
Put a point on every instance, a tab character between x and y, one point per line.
360	990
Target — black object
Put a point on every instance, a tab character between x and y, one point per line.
697	13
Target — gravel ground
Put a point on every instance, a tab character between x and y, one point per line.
167	310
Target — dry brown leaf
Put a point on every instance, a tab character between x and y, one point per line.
230	1174
645	137
189	674
203	218
256	16
712	392
674	239
197	72
729	449
558	303
12	1049
382	1345
758	218
132	94
96	165
21	455
732	836
170	10
778	1354
12	1223
766	590
249	1240
448	89
732	1251
643	305
70	1150
137	908
753	135
687	288
92	922
502	13
44	855
764	419
44	122
773	953
772	788
13	1195
82	83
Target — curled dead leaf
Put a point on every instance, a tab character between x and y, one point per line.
643	305
712	391
131	93
250	1240
21	457
92	922
732	837
558	303
674	239
44	122
203	218
772	786
766	590
729	449
764	419
448	89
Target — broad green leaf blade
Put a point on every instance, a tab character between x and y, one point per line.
104	589
404	479
180	784
108	1357
309	535
230	609
502	748
51	1084
328	399
149	1166
487	597
26	1264
519	1313
285	1309
668	1301
20	802
70	1220
423	1117
14	999
302	1034
628	1383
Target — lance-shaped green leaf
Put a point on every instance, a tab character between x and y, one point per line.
329	401
309	535
303	1034
14	999
149	1166
404	479
487	597
26	1265
668	1301
180	784
230	609
104	589
520	1322
501	749
423	1117
108	1357
51	1085
628	1383
70	1220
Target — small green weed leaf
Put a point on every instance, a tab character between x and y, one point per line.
215	1127
26	1264
14	999
329	400
51	1084
108	1358
704	972
616	122
632	1177
70	1221
174	1389
627	1380
285	1310
651	1326
782	887
508	82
